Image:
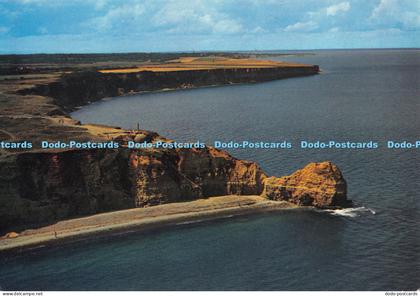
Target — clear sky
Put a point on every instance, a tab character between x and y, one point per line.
33	26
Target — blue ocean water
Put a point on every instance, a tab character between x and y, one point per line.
361	95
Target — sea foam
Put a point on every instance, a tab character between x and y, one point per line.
351	212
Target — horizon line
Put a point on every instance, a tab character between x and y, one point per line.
210	51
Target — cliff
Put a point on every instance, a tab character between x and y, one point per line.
43	187
39	187
80	88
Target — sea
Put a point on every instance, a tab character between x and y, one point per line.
360	96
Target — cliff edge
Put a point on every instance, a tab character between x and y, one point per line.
39	187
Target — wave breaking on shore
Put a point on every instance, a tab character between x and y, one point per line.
351	212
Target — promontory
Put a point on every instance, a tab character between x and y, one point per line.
40	187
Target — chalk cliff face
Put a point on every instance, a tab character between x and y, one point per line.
318	184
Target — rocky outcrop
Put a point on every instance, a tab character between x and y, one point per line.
318	184
11	235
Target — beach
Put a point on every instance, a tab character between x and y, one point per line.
141	219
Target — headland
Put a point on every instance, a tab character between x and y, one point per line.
42	187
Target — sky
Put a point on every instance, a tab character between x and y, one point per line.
86	26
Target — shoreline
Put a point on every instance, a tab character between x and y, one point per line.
140	219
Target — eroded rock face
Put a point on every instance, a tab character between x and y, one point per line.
318	184
79	88
41	188
163	176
